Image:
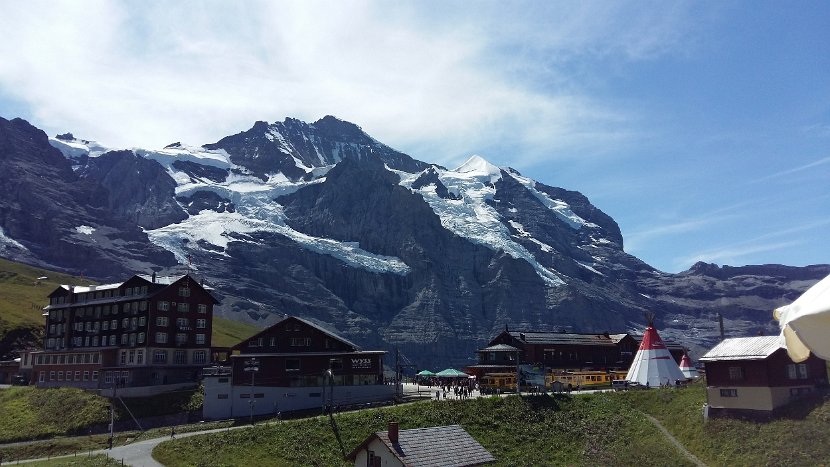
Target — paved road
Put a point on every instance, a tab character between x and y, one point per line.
140	453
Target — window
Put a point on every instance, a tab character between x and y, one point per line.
180	357
292	364
802	371
41	376
736	373
131	358
202	323
95	341
160	356
94	376
199	357
200	339
77	376
142	321
140	337
161	321
114	324
105	326
60	376
112	339
95	358
86	375
181	338
272	342
123	357
161	338
133	323
163	306
183	307
300	341
182	323
139	357
221	396
51	376
202	308
132	339
125	323
107	377
729	393
123	339
184	291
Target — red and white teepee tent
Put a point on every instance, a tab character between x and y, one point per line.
653	365
689	371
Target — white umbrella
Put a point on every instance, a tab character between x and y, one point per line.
805	323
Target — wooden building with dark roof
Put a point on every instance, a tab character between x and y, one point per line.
294	364
146	332
555	350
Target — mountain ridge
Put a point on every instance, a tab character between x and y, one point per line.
323	221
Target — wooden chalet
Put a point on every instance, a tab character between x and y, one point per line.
146	332
555	350
293	365
447	446
754	377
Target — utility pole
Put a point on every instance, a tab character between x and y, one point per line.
252	366
112	415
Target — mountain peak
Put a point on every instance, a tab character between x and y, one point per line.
479	166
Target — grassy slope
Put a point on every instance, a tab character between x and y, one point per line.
803	439
21	301
603	429
29	413
589	430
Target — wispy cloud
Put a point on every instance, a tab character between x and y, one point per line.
412	74
795	170
736	252
639	238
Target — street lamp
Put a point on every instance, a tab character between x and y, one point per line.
252	366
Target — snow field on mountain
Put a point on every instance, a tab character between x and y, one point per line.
561	208
77	148
471	217
256	211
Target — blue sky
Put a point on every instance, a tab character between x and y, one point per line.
703	128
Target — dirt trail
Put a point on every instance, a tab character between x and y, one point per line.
675	442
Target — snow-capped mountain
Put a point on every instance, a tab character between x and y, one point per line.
323	221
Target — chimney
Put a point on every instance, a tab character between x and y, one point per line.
393	432
154	277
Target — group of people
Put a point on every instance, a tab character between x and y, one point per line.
459	391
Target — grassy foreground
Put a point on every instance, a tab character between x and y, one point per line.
29	413
541	430
599	429
801	439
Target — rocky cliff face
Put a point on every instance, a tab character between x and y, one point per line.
49	216
322	221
